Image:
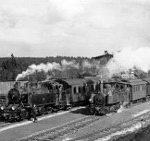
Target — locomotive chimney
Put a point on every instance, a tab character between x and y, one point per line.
16	84
100	83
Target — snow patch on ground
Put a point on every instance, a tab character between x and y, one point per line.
121	109
67	139
141	113
122	132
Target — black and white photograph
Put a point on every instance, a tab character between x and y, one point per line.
74	70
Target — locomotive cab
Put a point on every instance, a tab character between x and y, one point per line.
14	96
116	92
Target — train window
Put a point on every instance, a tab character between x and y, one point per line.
141	88
122	87
97	87
138	88
117	86
74	90
92	87
84	89
134	89
79	89
127	88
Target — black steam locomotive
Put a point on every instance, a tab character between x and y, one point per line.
46	96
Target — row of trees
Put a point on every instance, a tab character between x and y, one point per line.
11	67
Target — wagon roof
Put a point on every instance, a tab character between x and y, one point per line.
137	82
93	79
147	79
111	82
50	82
75	81
131	82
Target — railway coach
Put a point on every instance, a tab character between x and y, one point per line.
138	90
78	91
147	87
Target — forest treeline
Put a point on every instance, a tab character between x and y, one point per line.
10	67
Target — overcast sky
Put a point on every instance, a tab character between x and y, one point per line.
72	27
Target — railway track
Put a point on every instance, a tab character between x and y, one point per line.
55	133
116	131
4	124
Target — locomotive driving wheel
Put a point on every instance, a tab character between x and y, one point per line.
49	110
21	114
41	110
61	106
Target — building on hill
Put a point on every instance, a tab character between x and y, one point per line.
130	75
103	58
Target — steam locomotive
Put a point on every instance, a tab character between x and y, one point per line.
120	92
46	96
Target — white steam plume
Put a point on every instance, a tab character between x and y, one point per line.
92	64
48	67
63	66
87	64
130	58
42	67
67	64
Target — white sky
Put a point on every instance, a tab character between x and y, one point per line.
72	27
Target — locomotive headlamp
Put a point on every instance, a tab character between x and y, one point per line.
13	108
2	107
